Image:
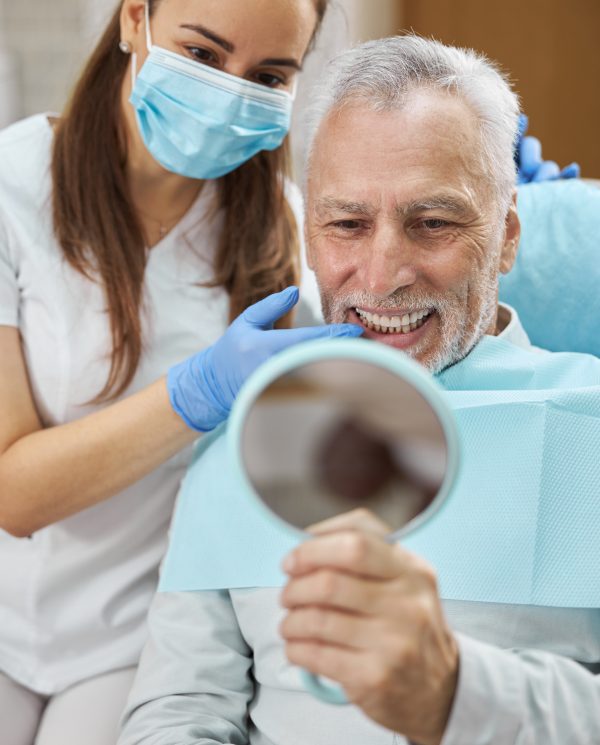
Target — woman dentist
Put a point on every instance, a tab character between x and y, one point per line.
133	229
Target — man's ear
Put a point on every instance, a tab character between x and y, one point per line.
512	235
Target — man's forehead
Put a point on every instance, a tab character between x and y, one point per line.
426	153
424	114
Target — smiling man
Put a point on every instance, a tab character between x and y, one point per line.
411	212
410	219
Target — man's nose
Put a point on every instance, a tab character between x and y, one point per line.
390	263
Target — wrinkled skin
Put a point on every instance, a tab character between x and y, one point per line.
401	217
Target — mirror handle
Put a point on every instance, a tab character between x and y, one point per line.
327	692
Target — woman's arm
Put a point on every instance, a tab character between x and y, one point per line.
49	474
193	683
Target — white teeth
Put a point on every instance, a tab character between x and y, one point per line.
393	324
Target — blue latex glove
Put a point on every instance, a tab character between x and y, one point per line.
528	156
203	388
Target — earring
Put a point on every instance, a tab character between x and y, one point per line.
125	47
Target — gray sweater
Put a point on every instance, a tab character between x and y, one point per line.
214	671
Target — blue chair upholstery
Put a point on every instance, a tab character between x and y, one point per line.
555	283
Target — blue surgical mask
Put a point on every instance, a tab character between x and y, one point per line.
200	122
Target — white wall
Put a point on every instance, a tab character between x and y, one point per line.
9	99
45	39
348	22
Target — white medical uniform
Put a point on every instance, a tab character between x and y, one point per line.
74	596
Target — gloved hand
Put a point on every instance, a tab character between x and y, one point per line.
202	389
528	156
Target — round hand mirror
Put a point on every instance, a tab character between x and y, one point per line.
327	427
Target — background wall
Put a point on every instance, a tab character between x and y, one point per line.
550	48
46	45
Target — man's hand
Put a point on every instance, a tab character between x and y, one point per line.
367	615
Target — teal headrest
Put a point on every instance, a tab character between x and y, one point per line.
555	283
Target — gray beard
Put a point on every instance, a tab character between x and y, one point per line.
458	335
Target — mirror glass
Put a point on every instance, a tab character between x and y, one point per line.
335	435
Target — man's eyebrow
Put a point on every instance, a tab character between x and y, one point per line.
441	202
210	35
331	204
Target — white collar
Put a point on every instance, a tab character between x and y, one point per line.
513	331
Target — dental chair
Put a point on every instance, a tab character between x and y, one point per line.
555	282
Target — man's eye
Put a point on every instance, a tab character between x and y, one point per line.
347	224
270	80
202	55
434	223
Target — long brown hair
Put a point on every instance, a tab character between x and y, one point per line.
102	237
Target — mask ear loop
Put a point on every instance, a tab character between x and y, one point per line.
148	43
133	69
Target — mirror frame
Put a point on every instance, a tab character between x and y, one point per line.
361	350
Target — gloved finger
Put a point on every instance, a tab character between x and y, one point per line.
284	338
548	171
523	124
571	171
530	156
270	309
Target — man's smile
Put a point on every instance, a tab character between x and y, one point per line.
388	322
394	328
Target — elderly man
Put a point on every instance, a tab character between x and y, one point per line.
410	218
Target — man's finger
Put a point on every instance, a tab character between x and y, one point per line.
334	589
325	625
357	552
336	663
358	519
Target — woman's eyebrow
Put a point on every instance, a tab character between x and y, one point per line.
282	63
230	48
210	35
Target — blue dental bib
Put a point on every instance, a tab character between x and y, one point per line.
520	526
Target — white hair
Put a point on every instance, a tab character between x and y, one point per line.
381	74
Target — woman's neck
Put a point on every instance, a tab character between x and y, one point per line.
161	198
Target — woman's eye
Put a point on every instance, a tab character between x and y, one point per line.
270	80
202	55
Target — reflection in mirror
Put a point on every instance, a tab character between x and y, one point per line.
336	435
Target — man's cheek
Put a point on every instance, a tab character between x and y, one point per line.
334	267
